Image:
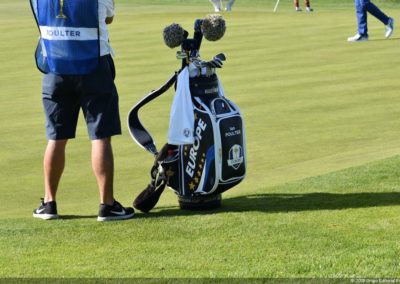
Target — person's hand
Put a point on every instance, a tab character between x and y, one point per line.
109	20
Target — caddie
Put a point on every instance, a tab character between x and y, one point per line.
74	55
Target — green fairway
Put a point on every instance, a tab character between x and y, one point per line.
321	197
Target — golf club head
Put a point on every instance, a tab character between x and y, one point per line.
148	198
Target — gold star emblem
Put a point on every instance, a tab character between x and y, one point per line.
196	180
192	186
170	172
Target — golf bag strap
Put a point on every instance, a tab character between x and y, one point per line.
140	134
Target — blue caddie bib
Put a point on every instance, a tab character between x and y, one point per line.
69	36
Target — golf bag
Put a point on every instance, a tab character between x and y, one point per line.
216	161
201	171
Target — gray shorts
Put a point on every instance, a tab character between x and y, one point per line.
95	93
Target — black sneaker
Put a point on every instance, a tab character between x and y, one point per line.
46	211
114	212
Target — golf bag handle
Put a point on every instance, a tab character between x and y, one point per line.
140	134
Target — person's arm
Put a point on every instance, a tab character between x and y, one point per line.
109	20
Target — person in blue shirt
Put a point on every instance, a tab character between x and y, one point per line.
74	55
362	8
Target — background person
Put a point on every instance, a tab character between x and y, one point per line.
362	7
218	5
79	74
306	3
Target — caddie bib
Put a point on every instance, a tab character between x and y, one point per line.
69	36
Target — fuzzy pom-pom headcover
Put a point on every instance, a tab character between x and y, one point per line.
173	35
213	27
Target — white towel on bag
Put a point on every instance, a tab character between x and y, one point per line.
181	122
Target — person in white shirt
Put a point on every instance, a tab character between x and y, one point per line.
306	3
218	5
80	76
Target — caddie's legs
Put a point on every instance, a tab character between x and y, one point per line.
361	17
376	12
53	164
103	168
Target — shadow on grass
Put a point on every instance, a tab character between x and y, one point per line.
68	217
276	203
384	39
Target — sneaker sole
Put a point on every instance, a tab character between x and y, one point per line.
115	218
359	40
46	216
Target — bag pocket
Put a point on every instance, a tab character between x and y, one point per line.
233	149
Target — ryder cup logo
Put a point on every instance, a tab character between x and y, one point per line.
235	156
186	132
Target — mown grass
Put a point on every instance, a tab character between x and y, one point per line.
321	196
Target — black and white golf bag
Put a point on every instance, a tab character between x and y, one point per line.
214	162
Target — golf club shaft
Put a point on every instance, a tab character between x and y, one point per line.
276	5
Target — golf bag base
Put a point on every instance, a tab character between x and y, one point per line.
199	203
